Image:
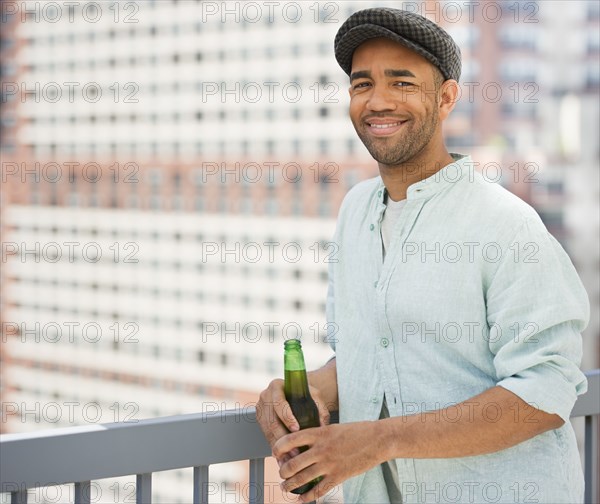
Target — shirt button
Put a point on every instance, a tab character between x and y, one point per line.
373	399
371	227
379	194
385	342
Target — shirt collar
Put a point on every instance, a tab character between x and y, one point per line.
426	188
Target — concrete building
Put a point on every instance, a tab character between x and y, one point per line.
171	173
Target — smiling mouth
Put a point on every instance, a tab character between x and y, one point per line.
384	129
385	126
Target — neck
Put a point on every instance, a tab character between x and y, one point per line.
398	178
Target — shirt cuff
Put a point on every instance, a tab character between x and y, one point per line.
546	389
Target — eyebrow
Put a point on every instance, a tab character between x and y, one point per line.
366	74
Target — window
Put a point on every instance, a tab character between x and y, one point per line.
155	177
297	208
246	205
518	70
246	363
350	146
323	147
324	208
271	206
517	36
155	202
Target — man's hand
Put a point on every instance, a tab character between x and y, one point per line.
275	416
336	452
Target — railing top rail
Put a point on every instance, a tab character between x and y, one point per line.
94	452
103	451
589	403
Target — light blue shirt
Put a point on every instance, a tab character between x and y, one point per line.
473	293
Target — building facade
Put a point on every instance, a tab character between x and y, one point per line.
171	174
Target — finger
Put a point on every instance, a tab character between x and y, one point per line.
283	459
282	408
308	475
275	431
288	442
269	423
319	490
284	412
297	464
321	406
323	411
272	412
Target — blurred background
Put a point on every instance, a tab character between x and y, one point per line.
171	176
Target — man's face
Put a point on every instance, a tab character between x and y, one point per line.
393	100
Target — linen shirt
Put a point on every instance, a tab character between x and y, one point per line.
472	293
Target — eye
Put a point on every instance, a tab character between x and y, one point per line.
403	84
361	85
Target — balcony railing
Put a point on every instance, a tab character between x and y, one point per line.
79	455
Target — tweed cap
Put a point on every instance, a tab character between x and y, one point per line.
409	29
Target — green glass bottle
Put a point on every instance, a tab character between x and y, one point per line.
296	392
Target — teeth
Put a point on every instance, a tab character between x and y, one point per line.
384	126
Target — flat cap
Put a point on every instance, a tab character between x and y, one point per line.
409	29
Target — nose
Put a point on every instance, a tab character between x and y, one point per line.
380	99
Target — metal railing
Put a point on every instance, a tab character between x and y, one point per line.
79	455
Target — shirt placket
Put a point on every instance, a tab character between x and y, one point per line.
382	339
385	348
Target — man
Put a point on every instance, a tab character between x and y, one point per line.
458	316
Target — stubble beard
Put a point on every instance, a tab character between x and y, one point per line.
405	148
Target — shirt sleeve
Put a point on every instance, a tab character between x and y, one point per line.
536	309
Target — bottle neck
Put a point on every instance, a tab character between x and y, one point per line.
293	359
296	381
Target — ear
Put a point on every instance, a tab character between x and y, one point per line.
449	95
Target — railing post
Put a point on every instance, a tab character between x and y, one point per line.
18	497
591	459
82	492
201	485
257	481
143	489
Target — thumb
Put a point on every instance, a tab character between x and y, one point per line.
324	415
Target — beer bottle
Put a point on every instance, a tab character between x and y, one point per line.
297	395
